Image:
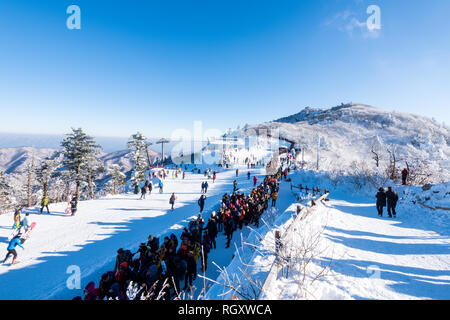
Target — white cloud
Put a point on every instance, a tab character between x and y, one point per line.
348	22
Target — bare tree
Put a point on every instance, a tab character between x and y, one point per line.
393	160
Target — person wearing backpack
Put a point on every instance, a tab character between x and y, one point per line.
122	256
274	198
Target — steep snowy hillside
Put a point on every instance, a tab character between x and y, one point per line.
351	136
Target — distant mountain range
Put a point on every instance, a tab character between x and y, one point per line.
16	160
14	140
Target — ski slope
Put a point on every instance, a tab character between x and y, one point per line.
91	238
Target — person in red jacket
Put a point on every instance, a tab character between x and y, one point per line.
404	176
90	292
254	181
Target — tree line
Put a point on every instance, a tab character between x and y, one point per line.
74	170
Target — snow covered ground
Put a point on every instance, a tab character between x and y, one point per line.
91	238
365	256
368	257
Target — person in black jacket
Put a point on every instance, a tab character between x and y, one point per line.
201	202
392	198
211	227
73	205
229	228
381	201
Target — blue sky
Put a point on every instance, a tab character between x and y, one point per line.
156	66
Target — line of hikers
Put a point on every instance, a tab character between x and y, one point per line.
158	270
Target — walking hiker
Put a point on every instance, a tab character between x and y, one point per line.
274	198
25	223
150	187
201	202
172	200
229	228
73	205
143	191
392	198
206	186
381	201
404	176
44	203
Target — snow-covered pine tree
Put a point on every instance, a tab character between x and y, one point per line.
138	144
79	148
46	171
117	177
5	194
91	170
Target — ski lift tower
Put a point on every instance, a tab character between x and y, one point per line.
162	141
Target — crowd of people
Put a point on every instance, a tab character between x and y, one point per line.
158	270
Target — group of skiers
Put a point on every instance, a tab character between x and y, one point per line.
160	268
19	227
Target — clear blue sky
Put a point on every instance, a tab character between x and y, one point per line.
156	66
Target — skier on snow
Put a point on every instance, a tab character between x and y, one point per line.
16	241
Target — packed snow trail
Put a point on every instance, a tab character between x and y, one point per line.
91	238
387	258
407	257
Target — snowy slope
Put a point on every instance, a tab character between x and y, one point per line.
91	238
365	256
349	132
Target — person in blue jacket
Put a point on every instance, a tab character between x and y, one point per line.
16	241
